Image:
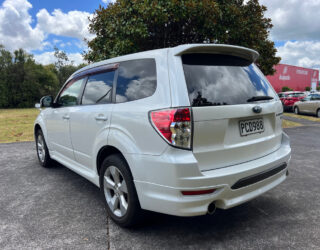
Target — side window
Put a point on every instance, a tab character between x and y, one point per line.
70	94
137	79
315	97
307	98
98	88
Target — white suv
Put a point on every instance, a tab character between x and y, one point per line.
179	131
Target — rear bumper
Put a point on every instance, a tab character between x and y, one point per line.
173	174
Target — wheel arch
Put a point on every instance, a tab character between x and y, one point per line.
106	151
36	128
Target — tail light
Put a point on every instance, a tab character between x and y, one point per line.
174	126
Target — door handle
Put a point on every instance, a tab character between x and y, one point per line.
101	118
66	117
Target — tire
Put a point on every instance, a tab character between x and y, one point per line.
284	107
42	150
296	110
318	113
120	196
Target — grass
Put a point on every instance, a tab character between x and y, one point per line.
17	124
290	124
306	117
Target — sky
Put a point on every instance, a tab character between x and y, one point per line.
39	25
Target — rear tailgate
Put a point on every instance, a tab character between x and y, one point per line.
236	112
217	141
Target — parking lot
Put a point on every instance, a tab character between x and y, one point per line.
55	208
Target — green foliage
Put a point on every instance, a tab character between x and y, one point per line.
23	82
308	88
318	88
129	26
286	88
64	67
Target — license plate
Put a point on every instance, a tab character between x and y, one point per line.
249	127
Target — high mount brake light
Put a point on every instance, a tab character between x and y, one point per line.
174	125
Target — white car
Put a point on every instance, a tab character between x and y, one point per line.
178	131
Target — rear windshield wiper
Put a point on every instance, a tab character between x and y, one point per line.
259	98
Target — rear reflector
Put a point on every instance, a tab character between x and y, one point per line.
198	192
174	125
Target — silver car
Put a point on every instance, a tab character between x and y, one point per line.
309	105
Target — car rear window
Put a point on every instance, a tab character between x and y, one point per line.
215	79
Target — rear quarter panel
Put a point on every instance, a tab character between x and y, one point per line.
130	130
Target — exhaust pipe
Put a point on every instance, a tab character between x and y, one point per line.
211	208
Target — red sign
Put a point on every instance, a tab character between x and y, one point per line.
296	78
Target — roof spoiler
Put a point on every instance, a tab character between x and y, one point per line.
224	49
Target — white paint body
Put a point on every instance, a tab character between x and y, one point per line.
219	158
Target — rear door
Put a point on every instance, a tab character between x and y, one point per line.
308	106
236	112
91	120
304	103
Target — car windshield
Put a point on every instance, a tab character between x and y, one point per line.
214	79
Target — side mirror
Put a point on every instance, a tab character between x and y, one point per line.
46	101
37	106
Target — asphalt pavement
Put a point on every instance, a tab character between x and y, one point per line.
57	209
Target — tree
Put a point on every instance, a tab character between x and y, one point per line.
307	88
64	67
129	26
6	61
286	88
22	80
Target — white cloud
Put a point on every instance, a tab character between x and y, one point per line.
56	41
294	19
48	58
72	24
16	30
301	53
15	26
108	1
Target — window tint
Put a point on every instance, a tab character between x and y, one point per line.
214	79
315	97
136	80
69	96
98	88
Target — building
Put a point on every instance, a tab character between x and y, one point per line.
296	78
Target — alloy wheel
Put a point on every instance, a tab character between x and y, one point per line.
115	190
41	148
